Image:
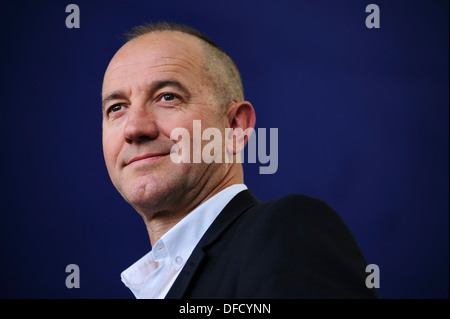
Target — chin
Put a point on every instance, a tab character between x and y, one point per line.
148	192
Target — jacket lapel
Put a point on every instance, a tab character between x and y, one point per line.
236	207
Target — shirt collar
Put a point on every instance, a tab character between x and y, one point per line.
181	239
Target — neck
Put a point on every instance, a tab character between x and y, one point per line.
162	221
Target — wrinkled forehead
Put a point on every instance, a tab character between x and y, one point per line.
167	52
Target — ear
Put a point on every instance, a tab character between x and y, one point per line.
241	121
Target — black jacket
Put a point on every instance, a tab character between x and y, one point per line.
293	247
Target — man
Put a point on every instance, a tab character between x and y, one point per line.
210	237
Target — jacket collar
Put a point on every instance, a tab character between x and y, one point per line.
235	208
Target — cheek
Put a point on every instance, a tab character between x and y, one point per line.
168	121
111	149
186	120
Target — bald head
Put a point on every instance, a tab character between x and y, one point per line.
224	76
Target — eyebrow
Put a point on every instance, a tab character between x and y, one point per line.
154	86
116	95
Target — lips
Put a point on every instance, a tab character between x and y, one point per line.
146	157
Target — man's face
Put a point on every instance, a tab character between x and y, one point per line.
154	84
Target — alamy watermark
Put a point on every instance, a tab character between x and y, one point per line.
373	19
234	139
73	279
373	279
73	19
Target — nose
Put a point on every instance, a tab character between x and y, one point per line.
141	125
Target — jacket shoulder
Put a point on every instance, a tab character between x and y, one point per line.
303	248
300	218
296	207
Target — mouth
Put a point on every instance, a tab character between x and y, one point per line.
146	158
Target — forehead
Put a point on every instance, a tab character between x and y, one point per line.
168	53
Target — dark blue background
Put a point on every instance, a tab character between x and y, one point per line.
363	119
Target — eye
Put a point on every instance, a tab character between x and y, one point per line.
114	108
167	97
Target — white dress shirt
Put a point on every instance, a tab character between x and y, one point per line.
152	276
